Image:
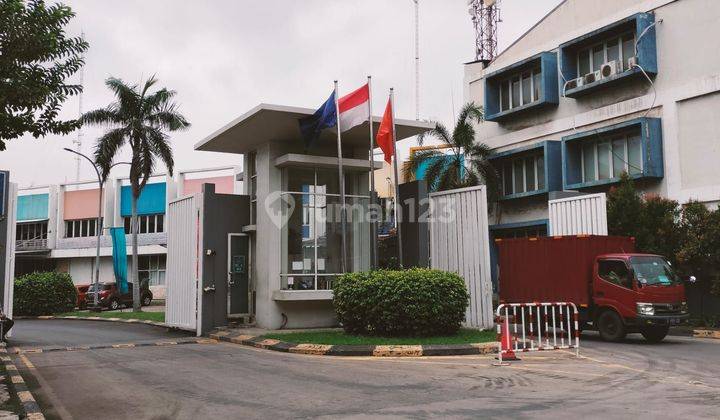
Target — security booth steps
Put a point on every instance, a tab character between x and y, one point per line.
356	350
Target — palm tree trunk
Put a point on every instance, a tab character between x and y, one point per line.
134	231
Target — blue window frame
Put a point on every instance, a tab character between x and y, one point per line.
600	156
528	84
529	171
606	55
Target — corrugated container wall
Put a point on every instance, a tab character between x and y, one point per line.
553	269
584	215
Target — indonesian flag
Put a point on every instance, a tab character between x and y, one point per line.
385	133
354	108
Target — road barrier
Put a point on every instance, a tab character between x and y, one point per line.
537	326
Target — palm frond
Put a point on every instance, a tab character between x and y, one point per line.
418	159
435	172
107	147
160	146
439	132
168	119
102	116
128	98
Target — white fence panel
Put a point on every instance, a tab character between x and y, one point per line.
582	215
459	242
181	309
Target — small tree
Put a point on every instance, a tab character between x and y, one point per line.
466	165
699	253
36	58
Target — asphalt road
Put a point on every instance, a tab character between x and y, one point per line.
679	378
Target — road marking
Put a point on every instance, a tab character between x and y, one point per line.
27	361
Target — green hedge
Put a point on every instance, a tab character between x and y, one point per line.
416	302
44	294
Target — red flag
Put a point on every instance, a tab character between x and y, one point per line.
385	133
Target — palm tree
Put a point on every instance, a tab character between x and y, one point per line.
139	118
466	165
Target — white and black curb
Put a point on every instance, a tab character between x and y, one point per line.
97	318
30	406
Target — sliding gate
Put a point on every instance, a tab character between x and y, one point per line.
183	265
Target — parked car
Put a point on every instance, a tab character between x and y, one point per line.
81	294
110	297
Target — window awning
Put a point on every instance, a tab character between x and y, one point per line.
267	122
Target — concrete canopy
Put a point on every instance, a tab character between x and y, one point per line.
267	122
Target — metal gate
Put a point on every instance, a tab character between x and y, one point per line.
459	242
183	265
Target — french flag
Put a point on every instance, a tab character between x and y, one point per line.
354	108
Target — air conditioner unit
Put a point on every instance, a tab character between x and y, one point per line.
632	62
574	83
592	77
611	68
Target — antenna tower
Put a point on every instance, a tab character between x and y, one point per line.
485	15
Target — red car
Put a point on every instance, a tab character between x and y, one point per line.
81	293
111	298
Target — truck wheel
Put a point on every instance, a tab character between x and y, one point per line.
654	334
611	326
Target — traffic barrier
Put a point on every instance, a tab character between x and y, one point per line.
537	326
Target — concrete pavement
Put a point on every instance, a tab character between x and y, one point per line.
679	378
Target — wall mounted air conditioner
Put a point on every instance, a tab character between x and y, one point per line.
610	69
574	83
592	77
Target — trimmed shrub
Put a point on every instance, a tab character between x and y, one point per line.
392	303
44	294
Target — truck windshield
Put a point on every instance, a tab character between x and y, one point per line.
653	271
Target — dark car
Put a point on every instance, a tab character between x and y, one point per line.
111	298
82	290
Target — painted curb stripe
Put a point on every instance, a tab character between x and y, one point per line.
706	334
17	350
30	406
356	350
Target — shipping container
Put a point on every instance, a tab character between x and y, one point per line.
556	268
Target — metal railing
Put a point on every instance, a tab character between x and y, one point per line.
537	326
31	244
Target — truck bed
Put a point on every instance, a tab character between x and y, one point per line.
553	269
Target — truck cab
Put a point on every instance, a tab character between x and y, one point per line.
635	293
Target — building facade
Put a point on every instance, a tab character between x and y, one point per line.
597	89
56	227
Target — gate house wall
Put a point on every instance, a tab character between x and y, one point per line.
459	242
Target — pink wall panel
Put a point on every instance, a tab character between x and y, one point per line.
81	204
223	184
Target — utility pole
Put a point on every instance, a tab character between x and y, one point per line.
417	59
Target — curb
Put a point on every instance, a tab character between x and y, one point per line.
30	406
17	350
97	318
357	350
707	334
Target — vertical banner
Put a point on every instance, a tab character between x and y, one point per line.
119	258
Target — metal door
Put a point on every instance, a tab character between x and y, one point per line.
238	274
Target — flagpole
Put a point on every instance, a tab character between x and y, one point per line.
343	228
397	181
371	160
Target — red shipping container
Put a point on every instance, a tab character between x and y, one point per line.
553	269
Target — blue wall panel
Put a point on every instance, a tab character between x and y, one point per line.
151	201
32	207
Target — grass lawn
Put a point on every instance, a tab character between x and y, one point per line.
464	336
152	316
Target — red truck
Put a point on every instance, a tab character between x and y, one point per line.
617	291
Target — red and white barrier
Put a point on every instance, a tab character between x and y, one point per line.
537	326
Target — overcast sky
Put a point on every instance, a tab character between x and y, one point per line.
224	57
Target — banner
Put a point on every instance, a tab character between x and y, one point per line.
119	258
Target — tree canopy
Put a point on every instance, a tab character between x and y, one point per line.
36	59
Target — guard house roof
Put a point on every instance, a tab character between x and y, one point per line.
268	122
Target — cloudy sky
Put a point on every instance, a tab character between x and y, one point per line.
225	56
